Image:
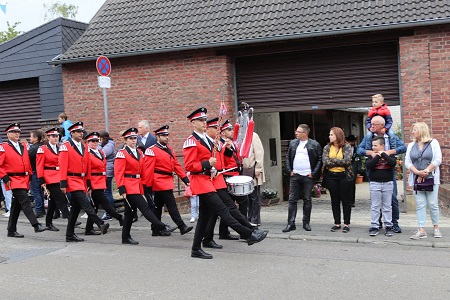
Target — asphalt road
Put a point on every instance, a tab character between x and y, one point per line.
42	266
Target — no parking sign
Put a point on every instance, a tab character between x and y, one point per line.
103	66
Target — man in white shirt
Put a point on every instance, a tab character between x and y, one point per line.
304	164
145	138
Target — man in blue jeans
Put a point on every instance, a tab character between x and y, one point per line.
393	145
36	137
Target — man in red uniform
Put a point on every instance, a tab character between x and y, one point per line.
75	179
47	167
15	171
198	160
98	182
129	170
160	164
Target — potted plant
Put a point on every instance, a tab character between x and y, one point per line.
269	196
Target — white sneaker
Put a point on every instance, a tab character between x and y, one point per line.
418	235
437	233
192	220
6	214
85	216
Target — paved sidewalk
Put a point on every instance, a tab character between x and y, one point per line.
274	218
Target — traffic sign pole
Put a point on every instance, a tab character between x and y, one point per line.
105	106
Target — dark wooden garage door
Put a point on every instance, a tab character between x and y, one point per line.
341	77
20	102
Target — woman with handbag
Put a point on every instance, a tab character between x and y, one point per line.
423	158
338	174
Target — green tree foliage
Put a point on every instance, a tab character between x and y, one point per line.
10	33
59	9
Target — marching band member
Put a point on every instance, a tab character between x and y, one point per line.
98	182
198	160
75	179
15	171
129	171
212	131
47	167
160	164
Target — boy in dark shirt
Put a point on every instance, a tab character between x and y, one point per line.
381	186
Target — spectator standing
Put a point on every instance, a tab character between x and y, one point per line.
63	119
337	159
109	148
423	158
304	164
145	140
254	165
36	138
393	145
381	186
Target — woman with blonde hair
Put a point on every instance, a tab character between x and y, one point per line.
338	174
423	157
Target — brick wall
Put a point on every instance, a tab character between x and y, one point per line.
162	88
425	83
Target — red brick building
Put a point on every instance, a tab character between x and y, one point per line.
292	62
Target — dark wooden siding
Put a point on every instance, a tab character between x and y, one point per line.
27	55
340	77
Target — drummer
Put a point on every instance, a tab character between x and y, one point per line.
199	161
212	132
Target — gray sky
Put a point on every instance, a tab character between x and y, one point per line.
30	13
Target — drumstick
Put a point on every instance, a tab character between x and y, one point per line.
226	170
126	200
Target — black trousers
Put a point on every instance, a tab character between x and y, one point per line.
138	202
99	198
236	213
211	203
167	198
80	201
300	186
20	202
340	190
57	201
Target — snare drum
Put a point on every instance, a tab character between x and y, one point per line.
240	185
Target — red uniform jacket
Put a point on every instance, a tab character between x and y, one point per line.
232	160
15	167
47	165
74	167
160	163
219	181
196	161
129	171
98	170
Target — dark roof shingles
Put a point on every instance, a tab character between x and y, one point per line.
124	26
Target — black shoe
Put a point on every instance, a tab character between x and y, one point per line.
51	228
212	244
230	237
335	228
166	231
77	223
120	220
92	232
73	238
56	215
39	215
185	229
289	227
396	228
129	241
39	228
306	227
170	228
256	237
15	234
104	227
201	254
